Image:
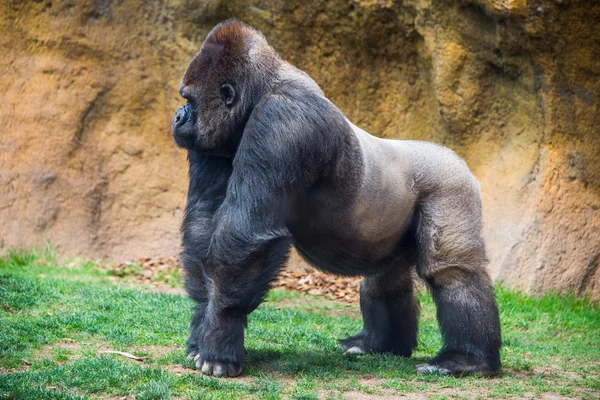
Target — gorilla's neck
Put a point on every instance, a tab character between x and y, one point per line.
207	173
217	153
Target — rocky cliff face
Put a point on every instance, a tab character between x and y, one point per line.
88	90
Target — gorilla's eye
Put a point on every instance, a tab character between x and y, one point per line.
227	94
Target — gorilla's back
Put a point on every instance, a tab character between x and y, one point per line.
396	175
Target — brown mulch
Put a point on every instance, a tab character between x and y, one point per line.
145	269
296	276
306	279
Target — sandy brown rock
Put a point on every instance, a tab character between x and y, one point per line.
88	90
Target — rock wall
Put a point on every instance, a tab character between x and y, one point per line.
88	89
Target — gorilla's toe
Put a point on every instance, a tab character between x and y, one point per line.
218	368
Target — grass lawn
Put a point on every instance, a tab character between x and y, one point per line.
56	321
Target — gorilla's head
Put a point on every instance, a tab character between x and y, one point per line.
224	81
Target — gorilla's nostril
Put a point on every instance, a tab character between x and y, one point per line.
181	117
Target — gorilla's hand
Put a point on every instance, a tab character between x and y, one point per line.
221	346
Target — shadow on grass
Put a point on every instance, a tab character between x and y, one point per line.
327	364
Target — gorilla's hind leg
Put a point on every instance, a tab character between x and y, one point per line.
208	183
452	259
390	314
468	318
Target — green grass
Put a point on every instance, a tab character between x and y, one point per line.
55	321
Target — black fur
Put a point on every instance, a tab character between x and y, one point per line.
274	163
390	314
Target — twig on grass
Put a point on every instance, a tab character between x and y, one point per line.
122	353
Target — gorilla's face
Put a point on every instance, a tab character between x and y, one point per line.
184	127
222	84
210	122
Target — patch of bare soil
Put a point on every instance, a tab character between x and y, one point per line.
180	370
64	344
446	393
555	370
546	396
44	353
24	367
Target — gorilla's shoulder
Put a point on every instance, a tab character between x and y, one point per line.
298	91
294	124
295	107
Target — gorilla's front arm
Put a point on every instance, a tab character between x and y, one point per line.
250	242
208	184
246	252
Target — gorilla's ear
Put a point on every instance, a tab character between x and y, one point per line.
228	94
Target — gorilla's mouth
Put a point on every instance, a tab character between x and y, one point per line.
184	122
184	127
182	117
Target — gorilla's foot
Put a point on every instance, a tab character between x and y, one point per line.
220	348
354	344
456	364
218	368
364	343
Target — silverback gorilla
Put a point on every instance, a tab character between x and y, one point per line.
272	162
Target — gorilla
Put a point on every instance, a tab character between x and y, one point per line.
273	163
